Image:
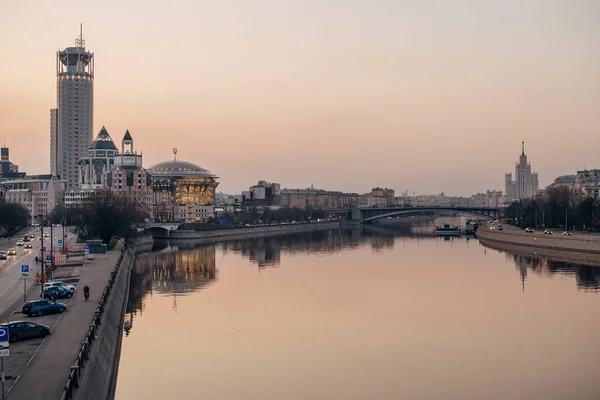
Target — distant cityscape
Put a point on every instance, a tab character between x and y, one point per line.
82	166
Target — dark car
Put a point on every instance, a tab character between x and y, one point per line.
57	292
2	255
20	330
41	307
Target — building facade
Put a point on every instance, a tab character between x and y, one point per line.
317	198
262	194
8	170
71	122
38	194
183	191
100	159
526	184
128	179
587	183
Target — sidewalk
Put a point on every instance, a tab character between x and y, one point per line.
44	376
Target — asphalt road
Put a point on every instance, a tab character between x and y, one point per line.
11	284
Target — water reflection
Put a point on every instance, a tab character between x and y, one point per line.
169	272
587	277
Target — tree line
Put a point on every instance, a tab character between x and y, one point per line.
559	207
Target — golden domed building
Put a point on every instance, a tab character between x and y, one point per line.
183	191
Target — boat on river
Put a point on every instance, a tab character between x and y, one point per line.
447	230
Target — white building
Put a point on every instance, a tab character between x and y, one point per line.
526	184
494	198
38	194
71	123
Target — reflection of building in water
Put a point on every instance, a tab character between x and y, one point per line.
170	272
380	243
587	277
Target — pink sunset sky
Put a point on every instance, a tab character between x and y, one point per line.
425	96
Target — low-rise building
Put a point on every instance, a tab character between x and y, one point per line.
587	183
262	194
39	194
317	198
494	198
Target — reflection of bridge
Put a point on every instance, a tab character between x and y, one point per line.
367	215
158	229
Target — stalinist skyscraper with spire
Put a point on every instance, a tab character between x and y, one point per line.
71	123
526	184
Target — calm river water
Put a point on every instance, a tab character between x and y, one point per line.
386	313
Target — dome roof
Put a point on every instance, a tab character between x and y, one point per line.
103	141
179	168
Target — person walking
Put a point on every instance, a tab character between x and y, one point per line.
86	292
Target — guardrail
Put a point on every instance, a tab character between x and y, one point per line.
86	346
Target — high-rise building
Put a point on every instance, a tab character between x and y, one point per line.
71	123
526	183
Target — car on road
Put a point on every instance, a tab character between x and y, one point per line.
42	307
57	292
59	284
567	234
529	230
20	243
28	246
547	232
11	252
2	255
31	235
20	330
46	235
500	227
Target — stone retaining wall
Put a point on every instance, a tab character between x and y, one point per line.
580	244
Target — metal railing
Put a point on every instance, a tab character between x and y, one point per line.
74	379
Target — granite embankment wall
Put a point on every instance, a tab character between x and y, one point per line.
99	381
241	233
577	249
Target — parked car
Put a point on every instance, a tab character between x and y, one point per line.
41	307
2	255
57	292
547	232
19	330
20	243
567	234
59	284
529	230
11	252
28	246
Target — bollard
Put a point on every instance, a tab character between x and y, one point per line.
85	350
75	375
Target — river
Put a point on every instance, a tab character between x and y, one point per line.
382	313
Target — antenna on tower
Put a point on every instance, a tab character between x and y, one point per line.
79	42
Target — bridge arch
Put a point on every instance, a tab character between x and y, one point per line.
370	215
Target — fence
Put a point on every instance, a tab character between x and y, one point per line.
114	318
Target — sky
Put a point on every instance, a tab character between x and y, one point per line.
425	96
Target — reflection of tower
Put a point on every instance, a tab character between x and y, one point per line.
72	121
522	263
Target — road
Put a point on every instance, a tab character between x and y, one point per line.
11	285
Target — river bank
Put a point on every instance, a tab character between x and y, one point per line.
203	237
583	249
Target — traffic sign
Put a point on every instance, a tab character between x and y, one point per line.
48	258
59	241
87	247
24	270
4	341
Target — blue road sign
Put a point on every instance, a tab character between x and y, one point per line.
87	247
48	258
59	241
24	269
3	343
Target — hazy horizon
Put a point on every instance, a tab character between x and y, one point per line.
427	97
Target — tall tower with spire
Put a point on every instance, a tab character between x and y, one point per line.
71	123
526	184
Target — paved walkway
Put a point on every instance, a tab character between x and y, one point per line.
45	372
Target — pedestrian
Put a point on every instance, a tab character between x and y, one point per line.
36	260
86	292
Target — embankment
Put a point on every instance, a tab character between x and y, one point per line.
575	249
100	376
201	237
